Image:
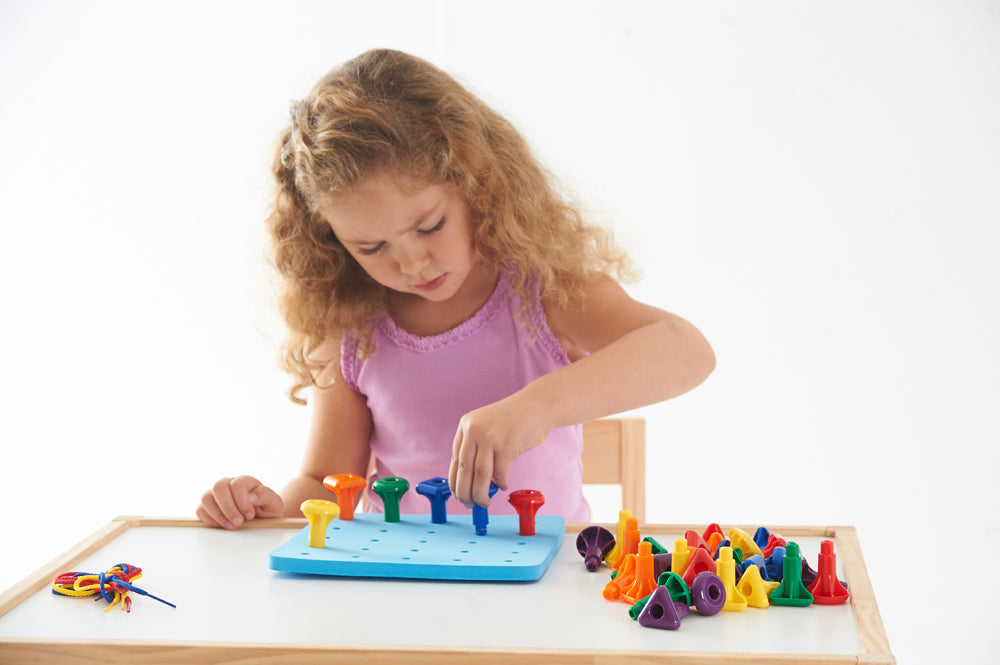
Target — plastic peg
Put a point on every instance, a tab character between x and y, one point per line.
712	528
757	561
657	547
774	540
320	513
827	589
755	588
741	539
808	574
630	539
761	536
632	536
636	610
623	580
391	491
661	563
527	503
616	552
791	592
677	587
694	539
722	543
725	568
345	486
645	579
713	541
660	611
480	515
774	564
679	560
594	543
437	492
708	593
701	561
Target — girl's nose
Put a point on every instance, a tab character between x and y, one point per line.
412	258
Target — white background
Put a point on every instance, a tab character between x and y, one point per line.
815	185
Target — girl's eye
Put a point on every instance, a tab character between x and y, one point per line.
434	229
368	251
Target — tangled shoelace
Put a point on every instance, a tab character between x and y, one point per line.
113	585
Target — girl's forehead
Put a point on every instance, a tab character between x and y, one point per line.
383	204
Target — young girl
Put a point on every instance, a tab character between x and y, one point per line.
449	311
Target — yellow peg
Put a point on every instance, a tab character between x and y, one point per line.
741	539
725	568
320	513
619	549
680	556
754	588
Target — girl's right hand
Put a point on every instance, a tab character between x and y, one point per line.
233	501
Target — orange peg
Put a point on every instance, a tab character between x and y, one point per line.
623	580
630	539
645	577
345	486
713	541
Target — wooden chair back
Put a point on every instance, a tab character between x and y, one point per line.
614	453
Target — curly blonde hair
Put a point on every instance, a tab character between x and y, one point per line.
389	112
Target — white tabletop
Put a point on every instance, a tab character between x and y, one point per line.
225	592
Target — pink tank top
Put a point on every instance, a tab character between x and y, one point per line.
418	388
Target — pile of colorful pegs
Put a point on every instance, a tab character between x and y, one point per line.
712	571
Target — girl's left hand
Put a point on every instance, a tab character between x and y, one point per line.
488	440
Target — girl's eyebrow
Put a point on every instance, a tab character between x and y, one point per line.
421	219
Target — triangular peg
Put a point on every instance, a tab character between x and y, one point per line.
754	588
661	611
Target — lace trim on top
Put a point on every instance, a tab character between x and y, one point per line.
468	327
349	360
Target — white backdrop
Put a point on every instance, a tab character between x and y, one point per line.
815	185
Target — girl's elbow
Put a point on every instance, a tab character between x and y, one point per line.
693	357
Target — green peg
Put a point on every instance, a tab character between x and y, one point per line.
391	490
791	592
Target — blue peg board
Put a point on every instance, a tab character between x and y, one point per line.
415	547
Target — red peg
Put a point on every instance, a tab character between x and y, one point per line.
713	528
773	540
699	562
526	503
695	540
827	589
345	486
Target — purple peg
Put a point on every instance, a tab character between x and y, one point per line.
594	543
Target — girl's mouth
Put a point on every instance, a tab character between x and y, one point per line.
432	284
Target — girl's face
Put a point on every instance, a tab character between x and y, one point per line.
415	240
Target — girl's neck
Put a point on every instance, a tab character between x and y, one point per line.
425	318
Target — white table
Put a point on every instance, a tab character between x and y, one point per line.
232	608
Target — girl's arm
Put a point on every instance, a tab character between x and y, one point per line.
639	355
338	440
338	443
